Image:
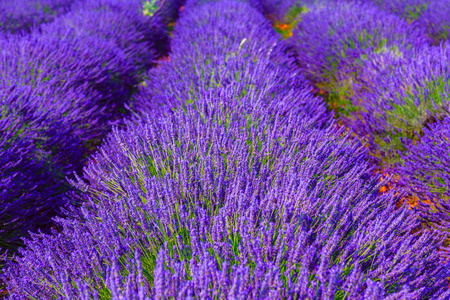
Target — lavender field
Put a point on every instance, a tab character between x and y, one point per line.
228	149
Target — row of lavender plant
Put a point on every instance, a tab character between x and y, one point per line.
61	86
230	183
403	106
389	85
335	41
22	15
431	14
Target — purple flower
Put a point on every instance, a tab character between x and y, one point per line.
402	99
240	190
424	170
21	15
337	40
61	87
431	15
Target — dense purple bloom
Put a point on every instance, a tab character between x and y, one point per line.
425	170
436	18
117	35
49	103
403	98
241	187
233	195
121	22
60	88
248	55
21	15
62	72
431	14
43	139
336	40
255	4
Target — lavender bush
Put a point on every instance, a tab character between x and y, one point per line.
403	99
22	15
43	139
48	63
336	40
425	171
229	199
60	88
238	55
436	18
232	195
126	32
432	15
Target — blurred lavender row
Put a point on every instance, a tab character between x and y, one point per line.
18	16
61	87
231	181
434	15
431	15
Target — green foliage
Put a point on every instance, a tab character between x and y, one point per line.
407	119
150	7
415	11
